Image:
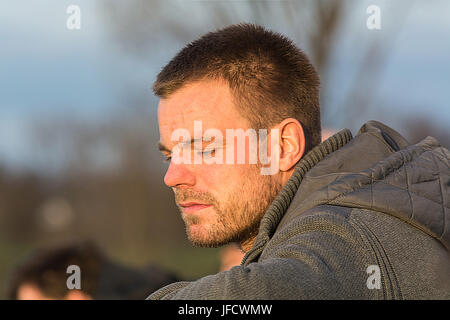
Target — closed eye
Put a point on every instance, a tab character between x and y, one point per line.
208	151
167	157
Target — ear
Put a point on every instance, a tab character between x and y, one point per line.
77	295
292	143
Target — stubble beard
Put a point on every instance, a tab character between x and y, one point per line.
236	218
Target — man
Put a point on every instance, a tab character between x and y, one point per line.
43	276
349	218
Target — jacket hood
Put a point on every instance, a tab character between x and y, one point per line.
377	170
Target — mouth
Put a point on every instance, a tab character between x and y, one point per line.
189	207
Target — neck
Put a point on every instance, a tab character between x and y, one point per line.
276	210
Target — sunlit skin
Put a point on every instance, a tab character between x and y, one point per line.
221	203
29	291
230	256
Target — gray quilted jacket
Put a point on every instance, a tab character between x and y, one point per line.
361	218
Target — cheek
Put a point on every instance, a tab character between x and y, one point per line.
221	179
214	176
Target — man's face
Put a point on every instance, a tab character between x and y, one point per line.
219	203
29	291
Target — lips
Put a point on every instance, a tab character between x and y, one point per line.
189	207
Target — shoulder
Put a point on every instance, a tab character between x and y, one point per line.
328	235
321	220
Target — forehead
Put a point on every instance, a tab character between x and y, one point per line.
30	292
208	101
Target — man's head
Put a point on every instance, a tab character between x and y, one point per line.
239	77
43	275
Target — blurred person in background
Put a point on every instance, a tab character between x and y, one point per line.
362	217
43	276
326	133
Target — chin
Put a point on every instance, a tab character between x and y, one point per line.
200	237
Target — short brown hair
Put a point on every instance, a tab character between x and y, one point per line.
270	78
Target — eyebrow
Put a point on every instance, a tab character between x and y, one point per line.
163	148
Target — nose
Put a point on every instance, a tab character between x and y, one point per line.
178	175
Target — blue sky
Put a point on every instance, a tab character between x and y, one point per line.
46	69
